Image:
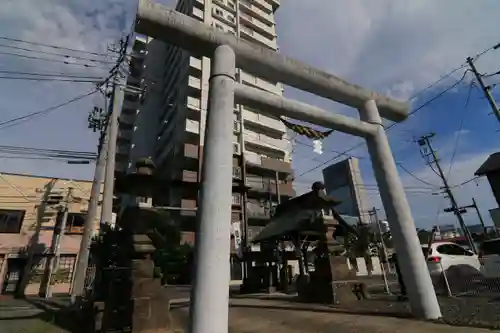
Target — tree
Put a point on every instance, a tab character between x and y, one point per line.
175	263
359	245
173	259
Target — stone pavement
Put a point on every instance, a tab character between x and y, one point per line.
274	316
248	314
28	316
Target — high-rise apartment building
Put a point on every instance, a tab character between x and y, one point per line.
344	182
168	123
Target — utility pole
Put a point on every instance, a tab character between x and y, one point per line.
53	264
474	204
373	213
425	141
105	161
109	178
463	209
89	225
486	89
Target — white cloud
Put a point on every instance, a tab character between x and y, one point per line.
86	26
393	46
427	203
384	44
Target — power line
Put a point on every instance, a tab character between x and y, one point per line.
390	126
444	77
51	153
422	106
461	127
46	59
22	148
50	79
65	160
18	120
413	175
56	54
494	47
53	46
466	182
49	74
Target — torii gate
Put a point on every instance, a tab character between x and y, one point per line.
211	287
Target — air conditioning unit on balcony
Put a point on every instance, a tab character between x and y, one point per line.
236	148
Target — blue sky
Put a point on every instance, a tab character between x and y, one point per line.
392	46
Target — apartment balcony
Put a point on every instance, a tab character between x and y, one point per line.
257	25
189	176
265	5
258	211
130	105
190	150
253	231
268	124
127	119
121	166
194	83
254	37
247	7
195	63
123	150
236	199
268	186
190	205
134	80
193	126
125	135
228	5
270	165
267	142
193	103
259	83
198	14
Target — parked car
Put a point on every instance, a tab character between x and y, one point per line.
452	258
489	257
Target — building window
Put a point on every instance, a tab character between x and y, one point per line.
74	223
230	18
11	220
219	12
64	272
231	4
218	26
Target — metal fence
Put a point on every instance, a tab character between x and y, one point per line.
453	281
465	280
90	277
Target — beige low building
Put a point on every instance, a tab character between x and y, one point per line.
30	208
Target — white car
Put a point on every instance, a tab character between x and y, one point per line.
449	257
